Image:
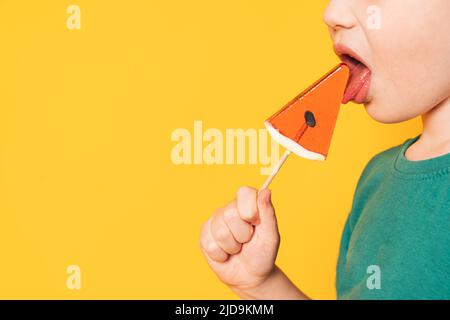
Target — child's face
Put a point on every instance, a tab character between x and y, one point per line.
405	50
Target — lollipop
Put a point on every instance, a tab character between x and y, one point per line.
305	125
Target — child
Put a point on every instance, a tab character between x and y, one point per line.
399	223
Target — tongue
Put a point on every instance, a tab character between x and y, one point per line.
359	77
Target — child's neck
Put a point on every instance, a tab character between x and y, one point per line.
435	138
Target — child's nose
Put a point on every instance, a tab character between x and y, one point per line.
339	15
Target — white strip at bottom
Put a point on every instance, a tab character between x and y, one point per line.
291	145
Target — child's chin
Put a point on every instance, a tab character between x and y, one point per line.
382	114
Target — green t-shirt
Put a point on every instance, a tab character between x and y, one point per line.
396	241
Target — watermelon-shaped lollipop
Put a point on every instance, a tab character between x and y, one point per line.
305	125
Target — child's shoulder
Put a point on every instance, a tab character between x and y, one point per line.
380	165
394	151
387	156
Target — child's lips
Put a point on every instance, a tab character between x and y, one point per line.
360	75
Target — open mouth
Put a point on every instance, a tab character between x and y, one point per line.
359	81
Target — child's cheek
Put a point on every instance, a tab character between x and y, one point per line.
408	59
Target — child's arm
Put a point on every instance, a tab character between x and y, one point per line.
240	243
276	287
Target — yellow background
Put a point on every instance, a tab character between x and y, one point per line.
86	116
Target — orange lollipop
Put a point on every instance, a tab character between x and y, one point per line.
305	125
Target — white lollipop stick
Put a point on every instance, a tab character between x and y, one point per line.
276	169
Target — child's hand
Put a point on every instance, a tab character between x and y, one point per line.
241	240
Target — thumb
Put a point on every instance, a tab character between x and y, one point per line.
268	220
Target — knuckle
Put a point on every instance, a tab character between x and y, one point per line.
211	248
229	214
203	241
221	234
215	253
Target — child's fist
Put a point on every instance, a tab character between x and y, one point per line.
240	241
